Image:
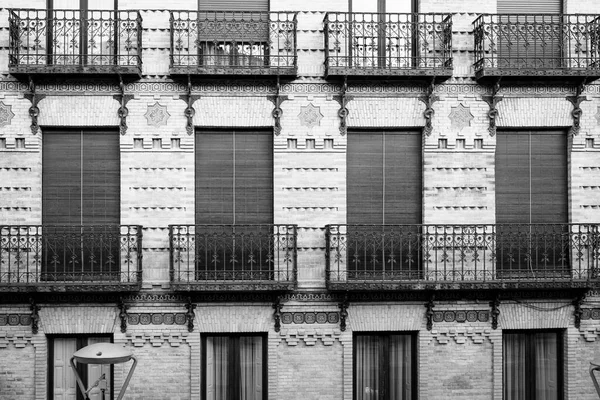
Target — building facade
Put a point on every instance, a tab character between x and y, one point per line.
351	199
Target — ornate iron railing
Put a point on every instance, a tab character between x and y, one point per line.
88	257
537	45
233	257
75	41
233	43
462	256
388	44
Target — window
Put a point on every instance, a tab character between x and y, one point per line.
384	188
385	366
533	365
82	32
235	367
80	203
531	188
63	384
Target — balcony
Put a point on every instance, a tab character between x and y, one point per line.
542	45
233	43
452	257
70	258
388	45
75	42
233	257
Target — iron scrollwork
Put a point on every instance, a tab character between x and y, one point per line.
34	111
343	313
277	313
493	101
495	304
123	111
429	313
578	312
277	99
189	111
429	99
343	112
35	317
190	315
123	315
577	112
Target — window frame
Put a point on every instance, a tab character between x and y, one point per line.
414	362
530	355
235	357
82	341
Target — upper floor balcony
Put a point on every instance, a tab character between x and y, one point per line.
399	45
70	258
75	42
233	43
427	257
537	45
233	257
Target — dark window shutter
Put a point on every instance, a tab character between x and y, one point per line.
233	5
234	177
529	7
384	177
531	177
81	177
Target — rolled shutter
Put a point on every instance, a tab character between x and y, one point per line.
234	177
384	177
234	5
529	7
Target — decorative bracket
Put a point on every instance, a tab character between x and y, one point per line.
429	313
343	313
123	111
277	314
343	112
189	111
495	304
34	111
578	311
190	315
277	99
493	101
35	317
123	314
429	99
576	113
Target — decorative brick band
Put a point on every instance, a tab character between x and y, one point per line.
310	337
461	316
590	313
156	319
15	319
310	317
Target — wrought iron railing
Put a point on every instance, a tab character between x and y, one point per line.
388	44
73	41
233	257
99	256
233	43
537	45
462	256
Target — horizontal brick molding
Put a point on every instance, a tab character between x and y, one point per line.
77	320
461	336
157	339
535	316
310	337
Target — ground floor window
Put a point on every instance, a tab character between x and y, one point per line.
62	381
385	366
234	367
532	365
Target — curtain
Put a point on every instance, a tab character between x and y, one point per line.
546	366
217	356
368	367
251	377
514	366
400	356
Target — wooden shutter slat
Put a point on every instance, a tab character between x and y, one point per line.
529	7
234	5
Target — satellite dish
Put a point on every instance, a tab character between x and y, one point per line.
103	353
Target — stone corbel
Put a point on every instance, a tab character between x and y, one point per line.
34	111
429	99
343	313
277	99
429	313
277	313
190	315
495	304
343	112
493	101
123	111
576	113
123	314
35	317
